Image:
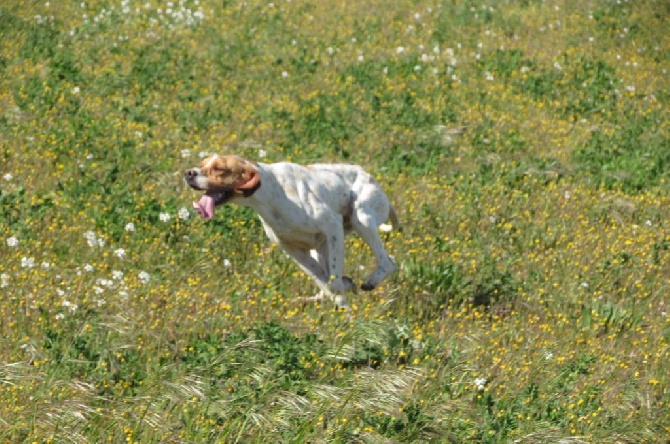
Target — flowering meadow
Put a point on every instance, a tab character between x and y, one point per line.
525	145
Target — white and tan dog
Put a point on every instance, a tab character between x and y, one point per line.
306	211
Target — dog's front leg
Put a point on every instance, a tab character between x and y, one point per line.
320	255
334	233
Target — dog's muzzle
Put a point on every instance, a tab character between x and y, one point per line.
191	177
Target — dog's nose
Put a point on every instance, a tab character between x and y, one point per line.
190	173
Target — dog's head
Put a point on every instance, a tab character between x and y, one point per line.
222	178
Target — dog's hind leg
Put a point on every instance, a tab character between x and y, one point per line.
366	222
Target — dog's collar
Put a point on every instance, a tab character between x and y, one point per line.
250	191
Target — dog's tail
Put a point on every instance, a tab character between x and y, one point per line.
393	217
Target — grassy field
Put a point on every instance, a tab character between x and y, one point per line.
525	145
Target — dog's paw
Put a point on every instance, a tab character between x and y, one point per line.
366	286
341	303
376	277
341	285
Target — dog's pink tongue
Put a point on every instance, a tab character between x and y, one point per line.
205	206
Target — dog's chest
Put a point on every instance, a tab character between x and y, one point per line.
284	230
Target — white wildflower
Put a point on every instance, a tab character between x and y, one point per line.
130	226
70	305
117	275
164	217
8	177
185	154
144	277
183	213
91	239
480	383
120	253
262	154
88	268
27	262
12	242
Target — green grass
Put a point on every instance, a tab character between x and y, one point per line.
525	145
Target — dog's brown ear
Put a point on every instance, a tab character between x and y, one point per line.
249	180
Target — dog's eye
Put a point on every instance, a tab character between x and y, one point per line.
221	171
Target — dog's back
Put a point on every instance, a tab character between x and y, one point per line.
351	174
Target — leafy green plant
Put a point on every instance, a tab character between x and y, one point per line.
631	157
